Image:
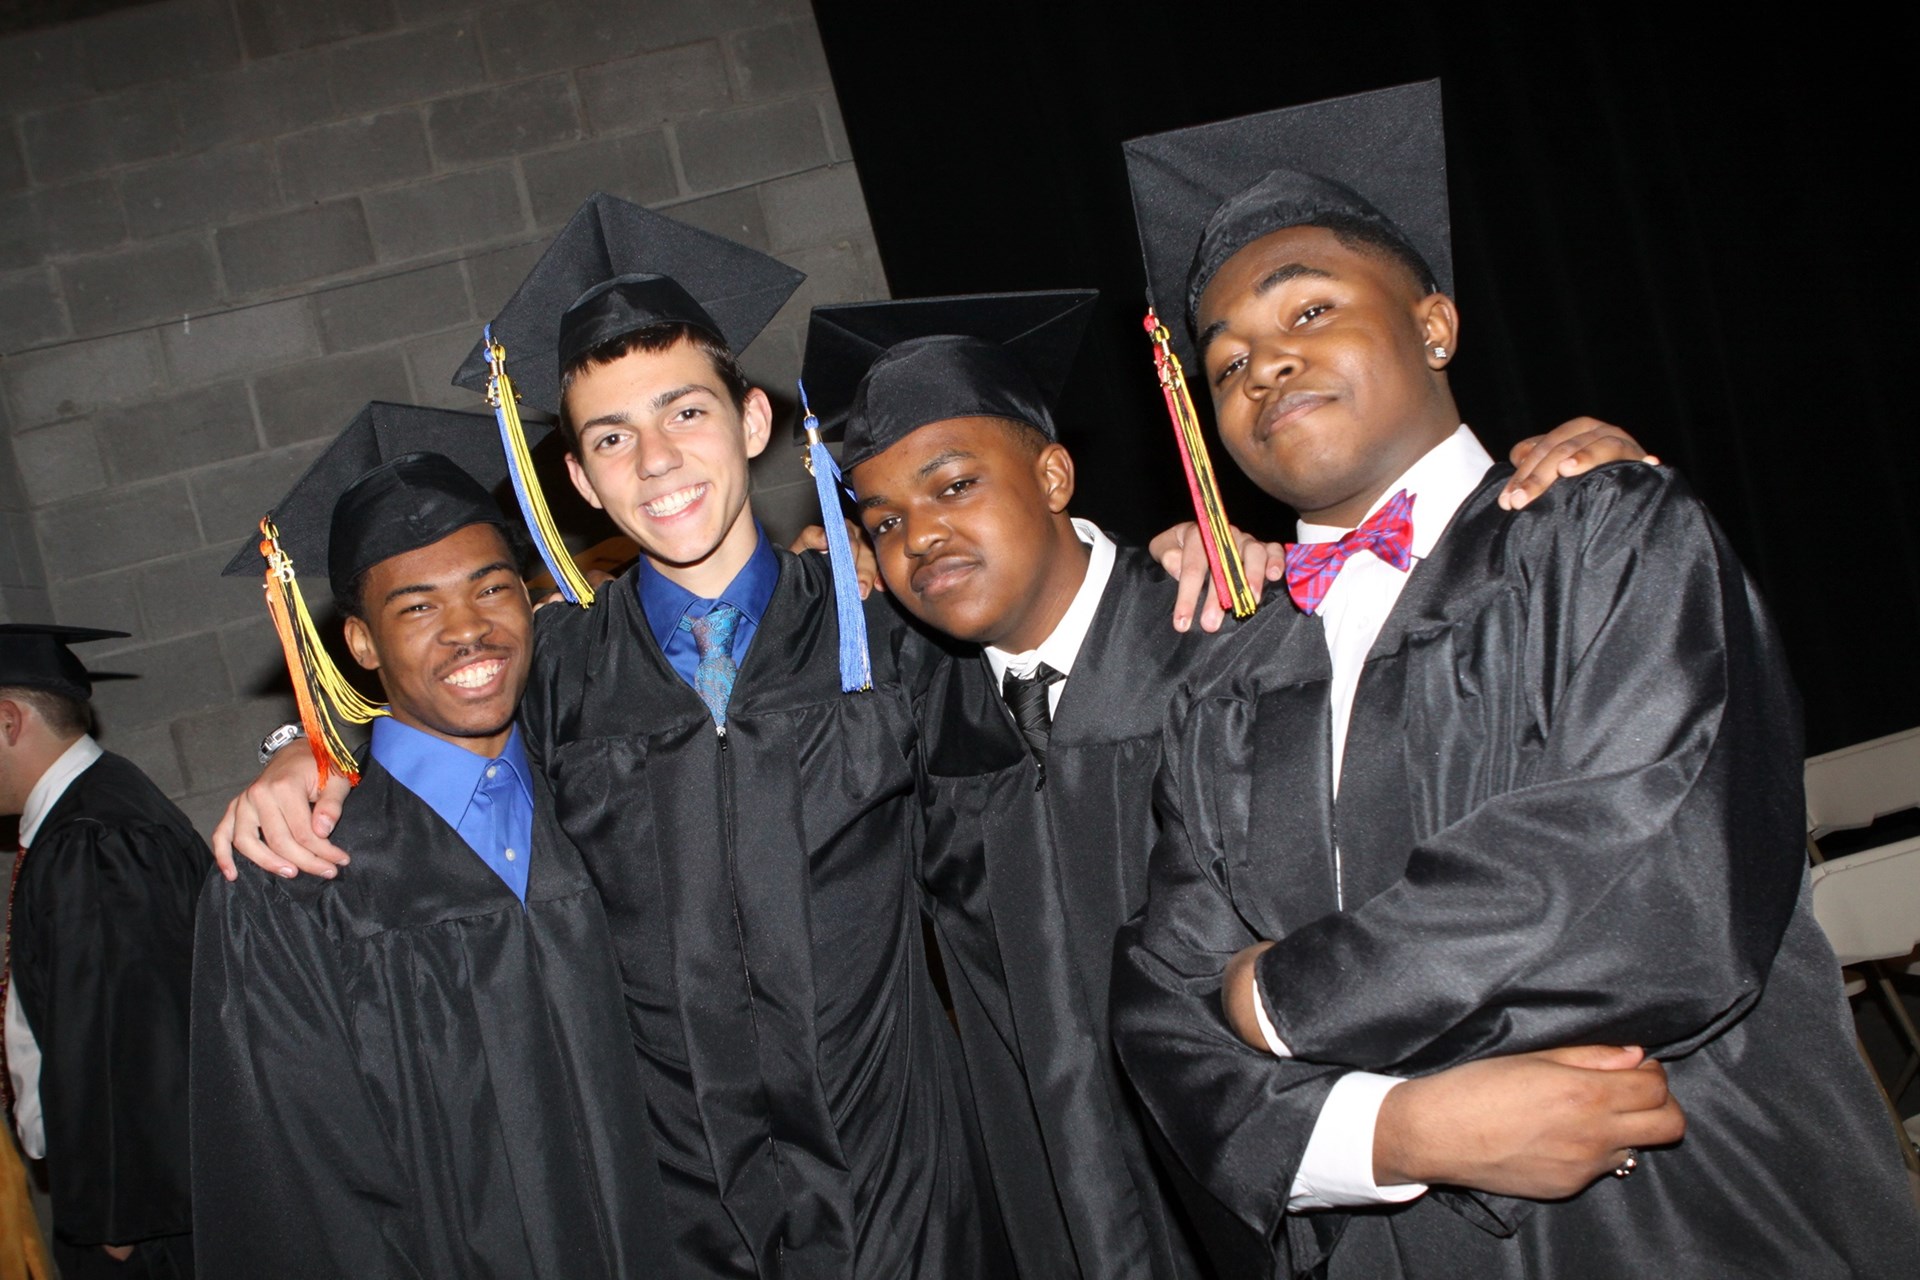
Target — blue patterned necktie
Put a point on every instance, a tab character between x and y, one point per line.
713	678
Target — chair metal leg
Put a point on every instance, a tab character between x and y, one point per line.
1897	1010
1907	1151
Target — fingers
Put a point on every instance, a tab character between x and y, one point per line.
812	538
1596	1057
1571	449
223	842
865	567
326	810
1194	586
552	597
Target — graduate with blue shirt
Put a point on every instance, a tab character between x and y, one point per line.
418	1067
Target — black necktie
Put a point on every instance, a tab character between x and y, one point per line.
1027	698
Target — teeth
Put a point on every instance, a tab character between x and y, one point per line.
678	500
476	675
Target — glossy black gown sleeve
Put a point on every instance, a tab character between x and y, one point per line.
1631	882
109	1028
293	1174
1237	1120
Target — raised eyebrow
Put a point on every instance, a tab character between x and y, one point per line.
1267	284
428	588
488	570
940	460
666	398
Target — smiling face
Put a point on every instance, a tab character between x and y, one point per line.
968	520
449	629
1322	365
663	450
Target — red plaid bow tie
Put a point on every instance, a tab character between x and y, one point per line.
1312	566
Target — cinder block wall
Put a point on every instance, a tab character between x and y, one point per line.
224	224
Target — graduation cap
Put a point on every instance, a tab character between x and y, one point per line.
400	477
35	656
878	371
614	269
1201	195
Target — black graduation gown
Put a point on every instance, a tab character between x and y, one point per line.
403	1072
102	955
762	893
1029	884
1570	812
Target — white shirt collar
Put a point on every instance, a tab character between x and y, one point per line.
53	784
1445	477
1062	644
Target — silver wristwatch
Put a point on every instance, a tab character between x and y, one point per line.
279	738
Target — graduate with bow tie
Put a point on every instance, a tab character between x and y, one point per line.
1501	783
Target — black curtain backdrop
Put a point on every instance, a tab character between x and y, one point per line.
1687	225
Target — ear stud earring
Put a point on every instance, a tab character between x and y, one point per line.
1439	353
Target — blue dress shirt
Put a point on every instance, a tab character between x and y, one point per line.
671	608
489	802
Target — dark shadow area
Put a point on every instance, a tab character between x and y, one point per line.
1681	223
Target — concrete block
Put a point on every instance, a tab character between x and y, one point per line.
432	360
185	594
157	42
529	39
750	144
772	363
255	663
784	511
415	12
86	535
285	248
20	244
172	433
24	568
454	212
167	680
316	400
778	60
24	604
86	137
494	276
408	66
494	123
30	311
219	749
209	189
818	207
107	600
268	27
231	343
13	495
354	155
846	271
634	166
261	100
398	306
157	281
13	165
41	69
737	215
81	217
153	751
655	87
836	127
671	22
78	377
232	496
59	462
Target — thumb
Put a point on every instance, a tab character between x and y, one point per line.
326	810
1597	1057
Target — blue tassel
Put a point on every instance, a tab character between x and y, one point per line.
856	664
513	443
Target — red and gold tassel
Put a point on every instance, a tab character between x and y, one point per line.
1216	536
324	695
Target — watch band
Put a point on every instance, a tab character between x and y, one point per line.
279	738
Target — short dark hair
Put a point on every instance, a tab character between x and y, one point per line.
1028	437
1364	236
350	597
66	717
655	337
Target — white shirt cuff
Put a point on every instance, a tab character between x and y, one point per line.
1336	1170
1267	1033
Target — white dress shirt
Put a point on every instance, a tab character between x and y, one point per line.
1062	644
23	1051
1337	1167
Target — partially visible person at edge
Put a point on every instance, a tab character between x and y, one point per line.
95	985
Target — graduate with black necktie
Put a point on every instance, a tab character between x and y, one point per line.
1041	734
418	1067
1502	782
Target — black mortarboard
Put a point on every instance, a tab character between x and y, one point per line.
616	268
1201	195
35	656
400	477
877	371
